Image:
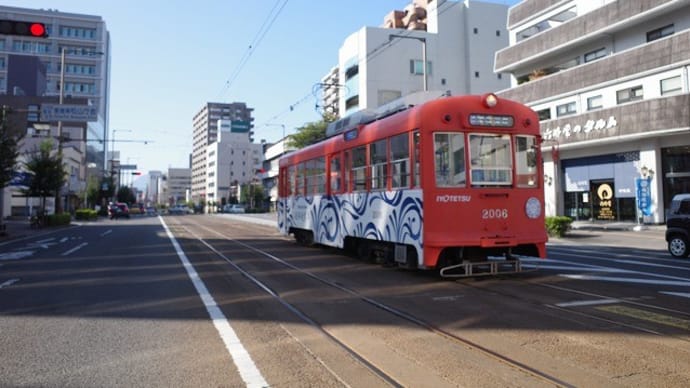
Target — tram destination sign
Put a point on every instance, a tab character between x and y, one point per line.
66	112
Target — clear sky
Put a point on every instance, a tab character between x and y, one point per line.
170	57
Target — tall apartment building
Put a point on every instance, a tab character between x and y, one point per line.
206	133
377	65
610	82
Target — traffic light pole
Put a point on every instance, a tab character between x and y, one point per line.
58	196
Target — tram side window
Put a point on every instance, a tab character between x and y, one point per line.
347	178
378	163
335	183
316	176
449	156
417	156
299	179
359	168
291	180
490	160
400	160
526	161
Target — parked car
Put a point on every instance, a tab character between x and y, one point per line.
151	211
678	226
118	210
235	208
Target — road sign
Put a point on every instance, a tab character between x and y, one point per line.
65	112
240	126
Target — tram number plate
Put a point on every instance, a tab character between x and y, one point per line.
494	213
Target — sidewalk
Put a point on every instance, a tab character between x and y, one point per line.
618	226
15	229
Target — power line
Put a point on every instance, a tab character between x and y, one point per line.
261	33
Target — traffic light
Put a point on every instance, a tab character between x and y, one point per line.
15	27
136	172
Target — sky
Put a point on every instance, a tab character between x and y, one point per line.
170	57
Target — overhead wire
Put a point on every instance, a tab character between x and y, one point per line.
254	44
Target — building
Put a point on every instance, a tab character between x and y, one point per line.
85	42
610	82
330	86
154	187
206	133
269	175
232	162
77	50
177	184
458	39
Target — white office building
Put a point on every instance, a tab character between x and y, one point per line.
377	65
609	80
232	161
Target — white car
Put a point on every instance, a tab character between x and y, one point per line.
233	209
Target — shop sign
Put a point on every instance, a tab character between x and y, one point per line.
644	195
603	207
569	130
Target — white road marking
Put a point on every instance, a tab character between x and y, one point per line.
64	239
8	283
78	247
15	255
245	365
681	294
587	302
652	264
628	280
107	232
45	240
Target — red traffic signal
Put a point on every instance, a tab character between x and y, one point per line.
14	27
136	172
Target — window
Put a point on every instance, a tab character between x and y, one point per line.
299	179
630	94
544	114
417	67
476	30
490	160
566	109
476	74
315	175
594	55
595	102
415	139
291	180
449	159
335	182
670	86
378	154
498	32
400	160
660	33
359	168
526	161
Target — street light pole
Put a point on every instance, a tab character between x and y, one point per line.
424	64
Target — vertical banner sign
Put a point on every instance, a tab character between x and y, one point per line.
644	195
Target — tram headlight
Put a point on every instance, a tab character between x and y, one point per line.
533	207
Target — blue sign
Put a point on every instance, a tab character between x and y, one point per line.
644	195
20	178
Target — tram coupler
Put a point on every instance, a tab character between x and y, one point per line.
498	266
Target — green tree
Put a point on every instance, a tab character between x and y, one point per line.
125	194
9	151
253	195
48	174
310	133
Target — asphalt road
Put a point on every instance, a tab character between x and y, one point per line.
217	301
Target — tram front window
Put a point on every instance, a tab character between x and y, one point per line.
490	160
449	159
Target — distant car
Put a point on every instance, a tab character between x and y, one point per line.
151	211
678	226
233	209
180	209
118	210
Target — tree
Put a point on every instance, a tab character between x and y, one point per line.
9	151
125	194
48	174
310	133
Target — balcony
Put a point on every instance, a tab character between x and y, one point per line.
650	56
608	19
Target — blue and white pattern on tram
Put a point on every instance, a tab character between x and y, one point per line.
394	216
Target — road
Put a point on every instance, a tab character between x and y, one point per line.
219	301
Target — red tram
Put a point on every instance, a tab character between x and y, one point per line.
454	184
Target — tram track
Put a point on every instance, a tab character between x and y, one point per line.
466	343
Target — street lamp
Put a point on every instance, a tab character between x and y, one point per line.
424	64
